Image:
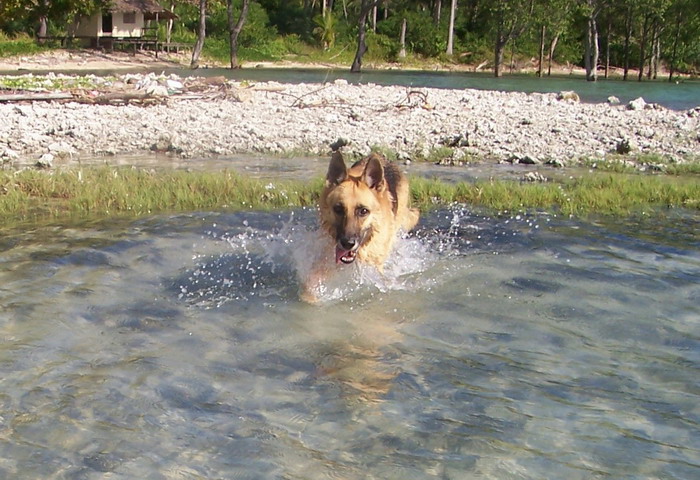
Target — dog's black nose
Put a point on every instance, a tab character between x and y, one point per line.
347	243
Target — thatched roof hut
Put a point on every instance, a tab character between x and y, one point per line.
151	9
123	19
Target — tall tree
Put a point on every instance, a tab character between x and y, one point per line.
592	9
646	26
554	18
684	37
653	23
510	19
235	26
201	34
37	15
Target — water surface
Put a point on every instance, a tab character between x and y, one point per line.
512	346
681	95
678	96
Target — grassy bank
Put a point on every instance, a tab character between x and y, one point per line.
101	191
605	194
108	191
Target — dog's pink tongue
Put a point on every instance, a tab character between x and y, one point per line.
340	253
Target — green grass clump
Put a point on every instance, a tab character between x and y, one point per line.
644	162
52	82
609	194
102	191
19	45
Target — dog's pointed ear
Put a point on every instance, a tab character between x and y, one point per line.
337	171
373	175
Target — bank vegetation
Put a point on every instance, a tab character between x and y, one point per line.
641	39
99	192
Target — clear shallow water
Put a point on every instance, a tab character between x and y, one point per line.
497	347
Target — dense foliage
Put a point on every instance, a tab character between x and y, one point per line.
641	35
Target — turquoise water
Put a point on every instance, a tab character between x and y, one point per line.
683	95
509	346
677	96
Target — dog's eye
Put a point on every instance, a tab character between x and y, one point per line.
362	211
339	210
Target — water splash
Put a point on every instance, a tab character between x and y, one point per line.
305	248
271	260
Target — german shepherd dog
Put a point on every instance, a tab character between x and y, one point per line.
362	208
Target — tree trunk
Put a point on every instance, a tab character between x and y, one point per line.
543	34
628	36
169	24
592	52
607	48
361	46
498	55
402	53
437	11
365	8
552	47
451	28
201	34
43	27
235	29
655	51
642	49
674	50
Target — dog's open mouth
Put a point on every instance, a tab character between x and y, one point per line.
344	256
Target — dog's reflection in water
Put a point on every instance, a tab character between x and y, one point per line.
363	363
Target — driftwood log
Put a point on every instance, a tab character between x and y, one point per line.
110	98
35	97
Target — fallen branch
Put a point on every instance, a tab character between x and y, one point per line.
298	98
121	97
408	102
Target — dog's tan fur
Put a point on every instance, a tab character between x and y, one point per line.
363	208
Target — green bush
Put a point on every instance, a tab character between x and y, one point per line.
422	35
18	45
380	48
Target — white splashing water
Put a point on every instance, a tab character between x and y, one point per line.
308	248
263	264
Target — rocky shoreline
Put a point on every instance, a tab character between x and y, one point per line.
195	117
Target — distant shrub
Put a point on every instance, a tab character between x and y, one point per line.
380	48
18	45
422	35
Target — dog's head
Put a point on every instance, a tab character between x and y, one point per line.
352	204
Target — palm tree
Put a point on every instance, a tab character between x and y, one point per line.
325	29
